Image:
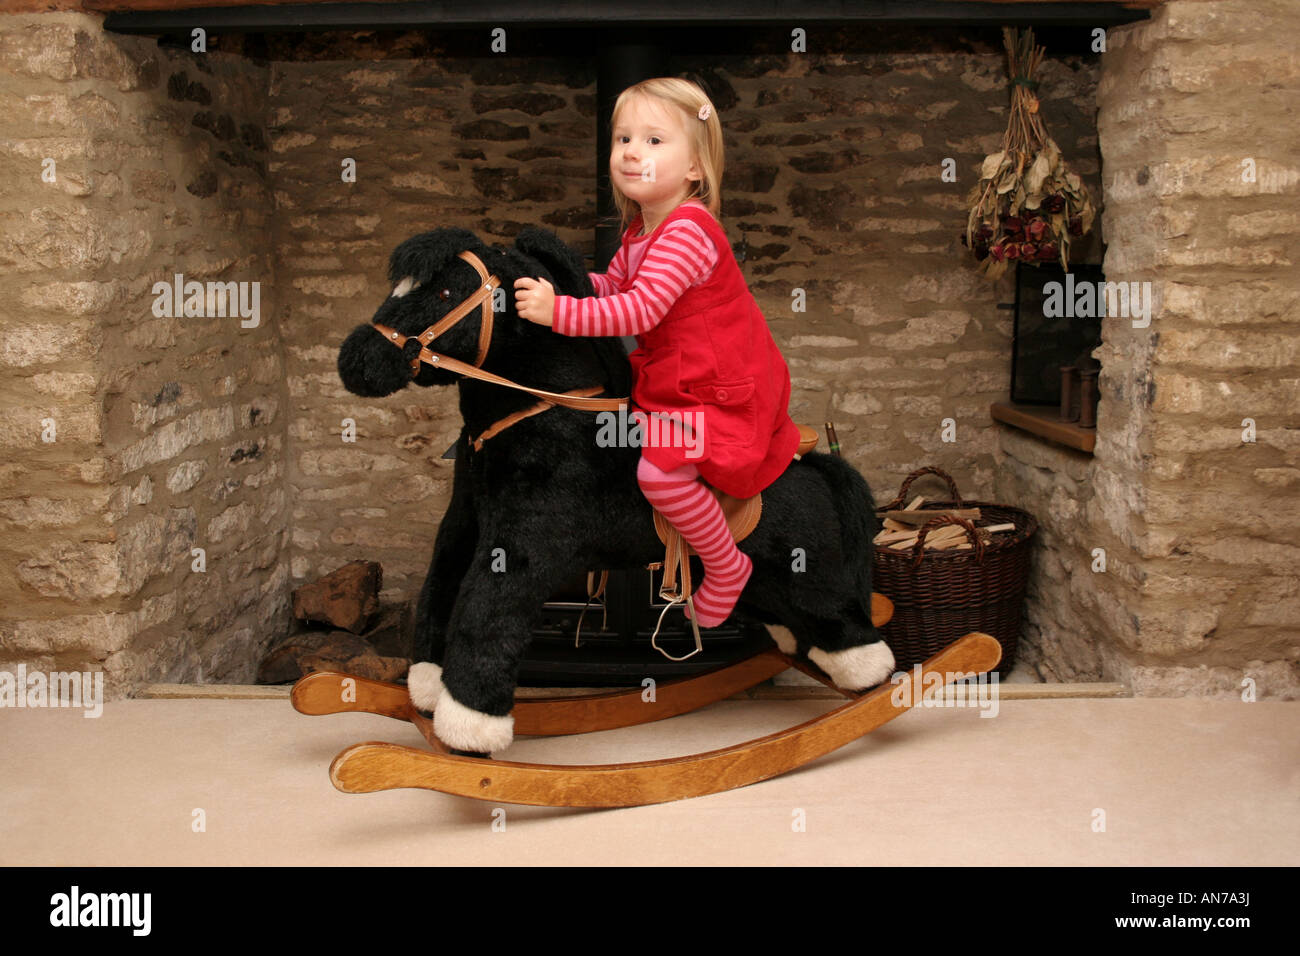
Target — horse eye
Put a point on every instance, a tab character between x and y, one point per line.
445	294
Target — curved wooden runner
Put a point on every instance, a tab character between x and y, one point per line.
323	693
578	715
369	767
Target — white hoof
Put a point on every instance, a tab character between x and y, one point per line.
784	639
424	682
460	727
858	667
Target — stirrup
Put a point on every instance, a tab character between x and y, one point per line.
676	561
594	594
695	626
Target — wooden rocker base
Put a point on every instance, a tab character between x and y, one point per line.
374	766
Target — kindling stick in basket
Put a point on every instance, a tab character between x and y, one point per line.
919	517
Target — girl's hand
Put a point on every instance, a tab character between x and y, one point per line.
535	301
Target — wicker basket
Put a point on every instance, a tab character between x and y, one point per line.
940	596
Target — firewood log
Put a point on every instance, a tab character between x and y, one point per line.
921	517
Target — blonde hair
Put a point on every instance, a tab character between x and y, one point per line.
705	137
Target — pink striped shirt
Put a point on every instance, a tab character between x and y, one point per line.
681	257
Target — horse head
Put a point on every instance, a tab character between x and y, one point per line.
431	277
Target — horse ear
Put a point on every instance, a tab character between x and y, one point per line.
428	255
563	262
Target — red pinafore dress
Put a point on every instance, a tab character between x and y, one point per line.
713	356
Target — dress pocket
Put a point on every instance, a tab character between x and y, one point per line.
729	408
656	374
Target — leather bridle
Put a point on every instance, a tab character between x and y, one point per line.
482	298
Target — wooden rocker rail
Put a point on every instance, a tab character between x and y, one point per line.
323	693
369	767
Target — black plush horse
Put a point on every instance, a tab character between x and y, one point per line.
542	500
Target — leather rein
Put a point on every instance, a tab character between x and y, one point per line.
481	297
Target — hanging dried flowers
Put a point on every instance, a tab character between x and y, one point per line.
1027	205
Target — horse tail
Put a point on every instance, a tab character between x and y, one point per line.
857	512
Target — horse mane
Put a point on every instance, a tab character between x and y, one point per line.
612	358
568	274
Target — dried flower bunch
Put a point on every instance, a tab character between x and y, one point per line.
1027	205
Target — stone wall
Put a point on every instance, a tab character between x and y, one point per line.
195	432
1198	524
168	433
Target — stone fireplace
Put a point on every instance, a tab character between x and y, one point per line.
169	479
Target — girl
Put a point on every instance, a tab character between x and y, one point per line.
706	366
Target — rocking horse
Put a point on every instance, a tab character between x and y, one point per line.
533	489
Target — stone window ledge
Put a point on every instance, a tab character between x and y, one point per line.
1044	421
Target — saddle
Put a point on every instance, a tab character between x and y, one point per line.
742	516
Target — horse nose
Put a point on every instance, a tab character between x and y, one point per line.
369	366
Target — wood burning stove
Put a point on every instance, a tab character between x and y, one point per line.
620	654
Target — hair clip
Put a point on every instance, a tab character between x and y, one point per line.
705	111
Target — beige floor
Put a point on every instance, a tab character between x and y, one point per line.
1179	781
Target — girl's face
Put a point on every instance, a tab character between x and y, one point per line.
650	157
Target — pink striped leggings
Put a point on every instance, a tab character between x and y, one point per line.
691	508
